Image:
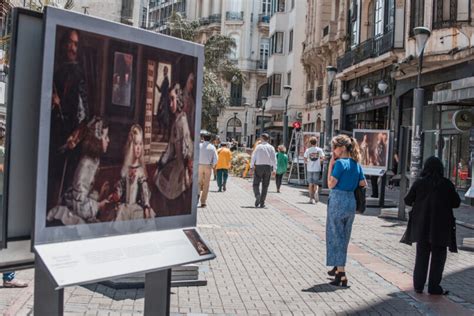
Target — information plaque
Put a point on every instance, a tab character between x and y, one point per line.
87	261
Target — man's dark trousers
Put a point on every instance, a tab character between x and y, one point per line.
262	174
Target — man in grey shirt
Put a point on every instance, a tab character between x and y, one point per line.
207	161
263	165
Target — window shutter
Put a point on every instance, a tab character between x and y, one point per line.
463	10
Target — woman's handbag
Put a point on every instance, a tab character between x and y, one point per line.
359	194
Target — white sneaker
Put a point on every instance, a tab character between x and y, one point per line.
311	201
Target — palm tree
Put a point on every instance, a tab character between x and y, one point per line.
218	68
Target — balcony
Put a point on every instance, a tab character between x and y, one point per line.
371	48
215	18
234	16
329	32
263	22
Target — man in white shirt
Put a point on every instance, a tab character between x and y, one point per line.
263	165
207	162
313	157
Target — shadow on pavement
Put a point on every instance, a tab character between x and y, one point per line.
324	288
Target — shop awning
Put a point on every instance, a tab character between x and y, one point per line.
457	92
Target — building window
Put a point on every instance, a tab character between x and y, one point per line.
278	6
417	12
277	43
234	53
354	22
448	12
264	51
288	78
290	42
266	7
379	17
274	82
236	94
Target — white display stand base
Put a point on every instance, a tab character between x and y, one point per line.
467	244
391	213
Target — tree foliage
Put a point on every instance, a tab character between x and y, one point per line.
218	68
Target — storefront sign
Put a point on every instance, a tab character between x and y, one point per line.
463	120
368	105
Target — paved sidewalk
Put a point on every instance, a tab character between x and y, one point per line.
271	261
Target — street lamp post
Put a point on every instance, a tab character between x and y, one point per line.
421	36
287	89
246	106
234	132
262	128
331	73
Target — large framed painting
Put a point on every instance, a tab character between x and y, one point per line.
111	160
374	146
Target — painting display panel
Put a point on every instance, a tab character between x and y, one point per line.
374	147
110	165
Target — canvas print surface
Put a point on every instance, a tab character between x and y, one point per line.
374	146
122	130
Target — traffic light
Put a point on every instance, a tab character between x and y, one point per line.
297	125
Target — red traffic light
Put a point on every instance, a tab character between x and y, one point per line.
296	125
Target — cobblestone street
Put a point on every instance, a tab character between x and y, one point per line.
271	261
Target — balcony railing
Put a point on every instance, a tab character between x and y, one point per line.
263	18
371	48
234	16
215	18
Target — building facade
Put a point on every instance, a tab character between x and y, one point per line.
373	46
247	22
285	69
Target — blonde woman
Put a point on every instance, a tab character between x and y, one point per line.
344	175
132	191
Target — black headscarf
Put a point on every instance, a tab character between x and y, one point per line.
433	168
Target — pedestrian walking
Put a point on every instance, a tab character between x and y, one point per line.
282	166
224	157
263	164
207	161
313	157
431	224
344	176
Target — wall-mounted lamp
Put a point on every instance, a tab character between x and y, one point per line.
355	93
345	96
367	89
382	86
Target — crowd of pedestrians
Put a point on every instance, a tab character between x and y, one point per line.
433	197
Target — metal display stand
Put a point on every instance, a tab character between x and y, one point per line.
50	301
157	293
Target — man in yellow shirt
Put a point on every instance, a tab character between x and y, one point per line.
224	157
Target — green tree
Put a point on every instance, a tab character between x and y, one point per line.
218	68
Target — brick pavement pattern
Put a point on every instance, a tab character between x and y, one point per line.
271	261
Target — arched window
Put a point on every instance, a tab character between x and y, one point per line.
234	129
318	124
262	92
371	20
